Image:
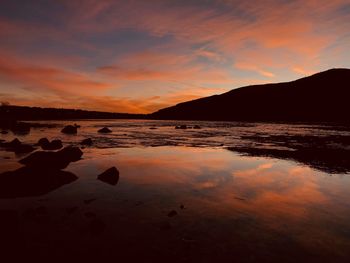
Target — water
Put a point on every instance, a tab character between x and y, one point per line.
232	204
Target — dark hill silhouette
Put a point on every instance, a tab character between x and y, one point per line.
323	97
9	113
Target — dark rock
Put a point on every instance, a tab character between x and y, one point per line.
197	127
55	145
172	213
96	227
87	141
28	181
153	128
16	146
70	129
105	130
183	127
24	148
76	125
182	206
7	124
4	132
52	160
14	143
20	128
47	145
110	176
43	141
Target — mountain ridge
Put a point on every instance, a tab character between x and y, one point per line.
320	97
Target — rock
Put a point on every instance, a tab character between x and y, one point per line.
52	160
153	128
55	145
47	145
23	148
183	127
14	143
110	176
197	127
43	141
70	129
4	132
16	146
76	125
105	130
182	206
20	128
87	141
172	213
28	181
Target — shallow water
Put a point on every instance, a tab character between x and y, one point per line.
229	206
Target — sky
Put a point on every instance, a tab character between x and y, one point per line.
138	56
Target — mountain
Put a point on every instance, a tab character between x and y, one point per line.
323	97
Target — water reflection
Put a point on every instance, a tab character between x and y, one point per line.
231	198
228	207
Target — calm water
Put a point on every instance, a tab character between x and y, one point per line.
234	207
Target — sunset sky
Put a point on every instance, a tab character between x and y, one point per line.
143	55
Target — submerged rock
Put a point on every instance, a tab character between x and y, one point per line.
197	127
29	181
105	130
87	142
70	129
110	176
52	160
183	127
